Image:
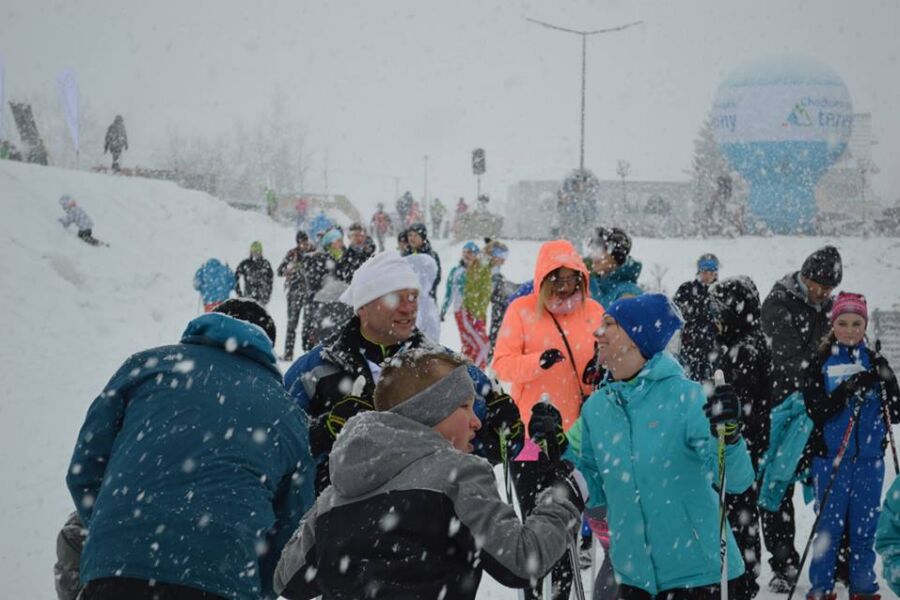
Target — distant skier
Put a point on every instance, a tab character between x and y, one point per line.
75	214
296	288
215	282
257	274
438	211
361	248
698	338
381	225
116	141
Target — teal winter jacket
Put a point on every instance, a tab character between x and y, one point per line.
648	455
608	288
887	538
789	431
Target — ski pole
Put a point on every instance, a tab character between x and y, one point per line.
723	508
835	465
887	415
577	583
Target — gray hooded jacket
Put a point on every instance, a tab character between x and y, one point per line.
408	516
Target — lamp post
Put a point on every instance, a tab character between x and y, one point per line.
584	35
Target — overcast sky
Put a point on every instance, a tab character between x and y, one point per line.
381	84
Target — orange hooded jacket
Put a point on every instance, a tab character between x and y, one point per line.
525	334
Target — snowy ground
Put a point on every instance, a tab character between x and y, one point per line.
71	313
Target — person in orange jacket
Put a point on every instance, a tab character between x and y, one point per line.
544	348
546	340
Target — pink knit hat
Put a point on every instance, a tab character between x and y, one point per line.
848	302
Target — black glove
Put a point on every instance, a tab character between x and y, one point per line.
885	372
503	416
856	384
320	439
724	408
546	430
550	357
560	477
347	407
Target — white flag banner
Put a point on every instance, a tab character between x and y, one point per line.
67	82
2	101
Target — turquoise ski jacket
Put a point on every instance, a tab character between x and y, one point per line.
648	455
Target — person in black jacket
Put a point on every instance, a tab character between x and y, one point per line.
361	248
116	141
745	360
417	238
257	274
698	338
296	289
795	319
410	513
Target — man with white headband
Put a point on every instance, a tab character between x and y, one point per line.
334	383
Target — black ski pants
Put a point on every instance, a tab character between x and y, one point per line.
295	304
117	588
743	517
712	592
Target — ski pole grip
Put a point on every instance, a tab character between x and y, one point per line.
719	379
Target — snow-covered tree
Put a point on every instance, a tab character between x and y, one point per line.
720	192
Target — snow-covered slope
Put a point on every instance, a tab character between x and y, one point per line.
71	313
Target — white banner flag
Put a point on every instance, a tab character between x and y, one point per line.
2	102
67	82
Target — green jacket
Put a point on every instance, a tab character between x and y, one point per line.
477	293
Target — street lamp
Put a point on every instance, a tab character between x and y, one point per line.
584	35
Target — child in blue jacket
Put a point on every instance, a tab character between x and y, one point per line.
846	372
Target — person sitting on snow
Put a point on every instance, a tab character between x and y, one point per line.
410	513
75	214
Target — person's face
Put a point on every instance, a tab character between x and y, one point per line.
565	282
415	240
612	342
357	237
849	329
337	244
391	318
459	428
818	293
707	277
601	261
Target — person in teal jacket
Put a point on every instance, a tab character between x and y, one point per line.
887	537
614	273
192	468
649	455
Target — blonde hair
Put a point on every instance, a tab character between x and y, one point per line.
409	373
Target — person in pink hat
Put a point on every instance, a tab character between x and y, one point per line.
844	379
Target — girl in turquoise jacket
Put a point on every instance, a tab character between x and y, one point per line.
649	455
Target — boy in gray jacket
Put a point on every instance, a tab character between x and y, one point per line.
410	513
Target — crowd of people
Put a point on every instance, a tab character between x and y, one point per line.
366	472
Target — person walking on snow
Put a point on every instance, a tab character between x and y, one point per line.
648	451
116	141
296	288
795	319
472	317
438	212
257	276
417	238
192	467
456	280
846	374
381	225
75	214
393	524
698	337
544	347
384	296
215	283
614	273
